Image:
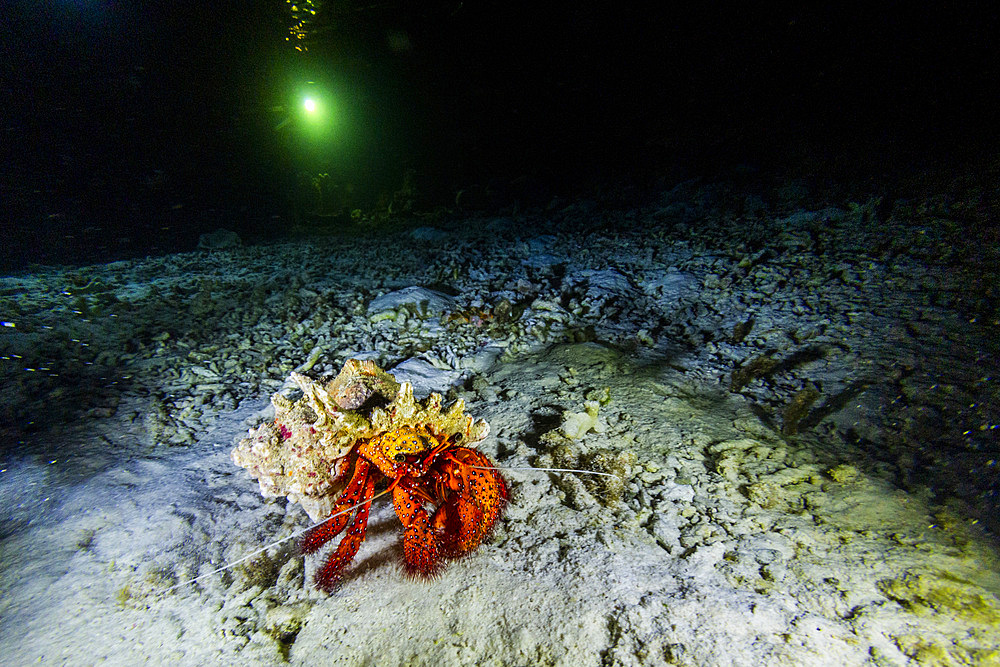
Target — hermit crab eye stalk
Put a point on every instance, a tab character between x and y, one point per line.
400	457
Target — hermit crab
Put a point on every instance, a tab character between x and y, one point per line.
467	493
331	449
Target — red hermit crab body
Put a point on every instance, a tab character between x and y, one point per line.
447	497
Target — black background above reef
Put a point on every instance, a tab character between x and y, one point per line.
130	128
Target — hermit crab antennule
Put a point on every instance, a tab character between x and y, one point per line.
264	548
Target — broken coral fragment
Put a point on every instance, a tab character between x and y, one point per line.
577	424
298	455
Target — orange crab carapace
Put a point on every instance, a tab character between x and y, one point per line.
464	491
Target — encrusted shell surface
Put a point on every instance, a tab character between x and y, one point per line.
298	454
358	382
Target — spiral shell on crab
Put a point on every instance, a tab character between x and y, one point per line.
298	455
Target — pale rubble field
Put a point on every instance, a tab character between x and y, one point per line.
779	504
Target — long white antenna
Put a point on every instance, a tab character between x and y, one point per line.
354	507
274	544
586	472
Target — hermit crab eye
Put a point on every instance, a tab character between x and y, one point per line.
458	437
400	457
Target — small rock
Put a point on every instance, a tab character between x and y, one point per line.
666	532
426	378
421	300
286	620
220	239
428	234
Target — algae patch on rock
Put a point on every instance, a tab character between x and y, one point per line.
941	593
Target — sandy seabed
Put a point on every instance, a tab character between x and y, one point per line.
783	396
